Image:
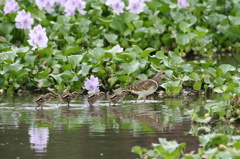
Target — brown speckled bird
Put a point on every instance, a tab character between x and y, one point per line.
146	87
42	99
68	97
117	97
94	97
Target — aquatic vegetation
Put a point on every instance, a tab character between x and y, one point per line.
73	43
213	145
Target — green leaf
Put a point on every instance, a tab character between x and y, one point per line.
70	39
130	67
137	150
57	78
75	60
30	58
111	38
234	20
63	19
147	51
187	67
118	25
6	28
227	67
197	85
72	49
184	26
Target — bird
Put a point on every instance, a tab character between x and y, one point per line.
117	97
94	97
42	99
146	87
68	97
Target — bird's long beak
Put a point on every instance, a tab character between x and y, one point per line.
168	76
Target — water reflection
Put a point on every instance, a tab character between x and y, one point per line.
38	138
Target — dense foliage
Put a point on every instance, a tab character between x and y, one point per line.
80	45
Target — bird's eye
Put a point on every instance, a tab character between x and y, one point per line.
163	72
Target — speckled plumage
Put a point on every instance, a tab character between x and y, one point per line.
68	97
146	87
117	97
94	97
42	99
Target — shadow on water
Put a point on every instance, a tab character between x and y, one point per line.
100	131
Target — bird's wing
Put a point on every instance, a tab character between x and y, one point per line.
142	85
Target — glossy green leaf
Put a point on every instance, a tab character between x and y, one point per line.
75	60
227	67
30	58
111	38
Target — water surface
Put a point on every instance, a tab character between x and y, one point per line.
101	131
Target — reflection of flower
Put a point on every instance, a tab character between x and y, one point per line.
136	6
11	6
38	37
46	4
92	85
72	5
39	138
183	3
117	6
118	48
24	20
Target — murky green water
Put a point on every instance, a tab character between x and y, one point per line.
81	131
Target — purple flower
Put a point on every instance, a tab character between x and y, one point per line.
92	85
61	2
183	4
136	6
39	138
24	20
118	48
117	6
11	6
73	5
38	37
46	4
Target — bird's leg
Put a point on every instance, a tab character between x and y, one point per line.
37	106
58	102
68	104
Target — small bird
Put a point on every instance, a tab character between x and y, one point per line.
42	99
94	97
117	97
68	97
146	87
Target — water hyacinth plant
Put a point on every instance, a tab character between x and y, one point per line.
24	20
38	37
183	4
91	84
73	5
136	6
11	6
116	5
45	4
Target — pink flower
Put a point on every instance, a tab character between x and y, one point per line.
183	4
136	6
38	37
72	5
24	20
118	48
46	4
116	5
92	85
11	6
